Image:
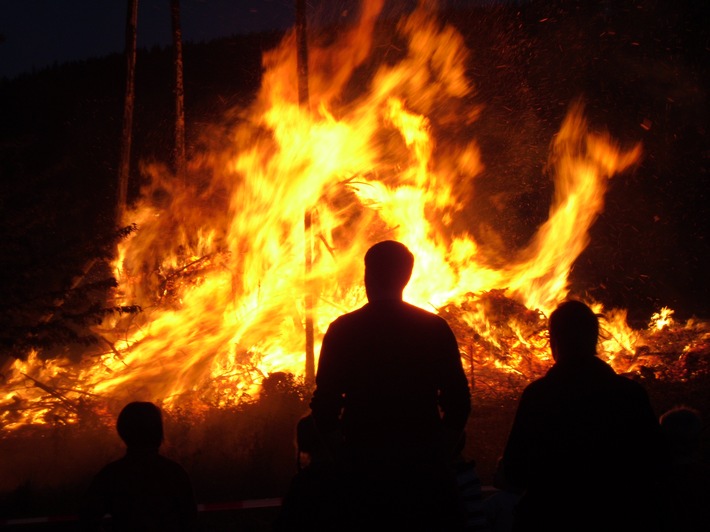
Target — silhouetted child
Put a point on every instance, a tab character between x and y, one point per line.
143	490
689	478
313	500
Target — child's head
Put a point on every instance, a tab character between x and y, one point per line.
682	426
140	425
311	446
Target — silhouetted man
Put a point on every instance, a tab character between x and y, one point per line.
143	490
392	400
585	445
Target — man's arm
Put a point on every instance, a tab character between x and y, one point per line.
518	445
94	504
327	400
454	394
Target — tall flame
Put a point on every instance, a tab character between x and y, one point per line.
217	262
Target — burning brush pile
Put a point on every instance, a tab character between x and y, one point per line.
266	234
503	363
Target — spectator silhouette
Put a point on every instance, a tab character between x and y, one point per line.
392	401
312	501
689	477
585	444
143	490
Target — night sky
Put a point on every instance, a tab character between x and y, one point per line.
40	33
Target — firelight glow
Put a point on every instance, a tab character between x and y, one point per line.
217	262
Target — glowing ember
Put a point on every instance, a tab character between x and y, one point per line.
217	263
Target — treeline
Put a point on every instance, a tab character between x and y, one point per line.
60	141
61	126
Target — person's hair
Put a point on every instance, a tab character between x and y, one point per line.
140	424
574	330
388	264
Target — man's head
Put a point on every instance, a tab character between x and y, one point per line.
574	331
140	425
388	267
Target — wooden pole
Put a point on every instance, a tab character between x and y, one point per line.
303	100
179	149
125	163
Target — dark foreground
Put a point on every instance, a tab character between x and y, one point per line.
209	520
488	429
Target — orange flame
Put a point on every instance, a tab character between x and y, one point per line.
217	262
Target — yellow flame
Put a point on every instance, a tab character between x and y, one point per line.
218	264
661	319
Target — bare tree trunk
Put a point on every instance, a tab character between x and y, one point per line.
125	164
303	100
179	148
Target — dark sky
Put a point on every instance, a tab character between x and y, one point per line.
40	33
35	34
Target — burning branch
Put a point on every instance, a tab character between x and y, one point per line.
66	402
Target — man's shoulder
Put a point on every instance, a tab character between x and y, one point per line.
114	465
538	386
630	386
171	466
388	312
575	384
387	307
349	317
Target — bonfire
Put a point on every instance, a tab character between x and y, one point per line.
222	266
